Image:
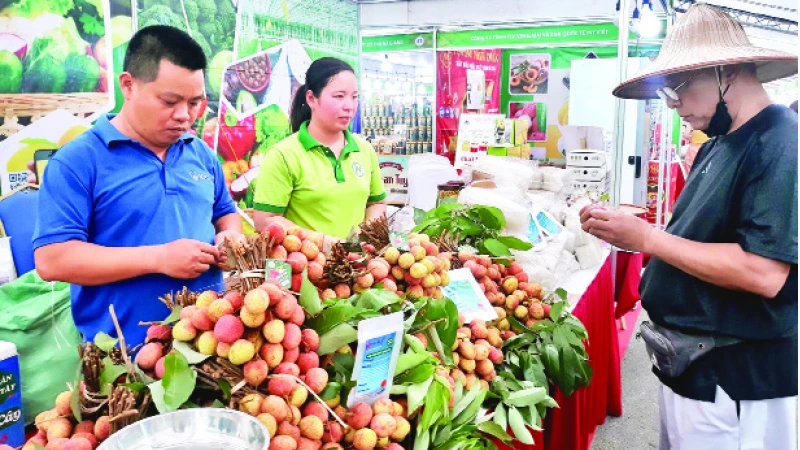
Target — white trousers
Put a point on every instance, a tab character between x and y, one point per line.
688	424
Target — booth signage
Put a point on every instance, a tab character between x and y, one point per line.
397	42
506	37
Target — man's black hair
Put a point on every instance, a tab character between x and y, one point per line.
152	44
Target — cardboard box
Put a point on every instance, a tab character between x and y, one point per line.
586	158
588	173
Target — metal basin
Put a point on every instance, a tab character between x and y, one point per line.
196	429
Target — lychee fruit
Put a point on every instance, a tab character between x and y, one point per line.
256	371
281	442
81	441
287	368
201	320
250	404
223	349
292	244
272	354
299	316
292	336
236	299
359	416
291	355
315	271
383	424
536	310
205	298
365	439
102	428
317	379
308	444
309	340
401	430
146	359
282	386
241	352
256	301
252	320
316	409
285	308
56	444
188	311
219	308
365	281
342	290
307	361
298	396
207	343
274	231
298	261
228	329
274	331
311	427
269	422
159	333
278	252
60	427
333	432
309	249
276	407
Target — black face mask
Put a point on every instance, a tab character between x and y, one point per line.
721	121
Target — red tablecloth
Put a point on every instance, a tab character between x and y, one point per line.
629	276
571	426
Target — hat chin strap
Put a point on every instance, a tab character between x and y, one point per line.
718	72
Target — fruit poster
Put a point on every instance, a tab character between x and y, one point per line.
276	41
452	100
529	73
48	133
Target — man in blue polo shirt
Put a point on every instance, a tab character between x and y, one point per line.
131	209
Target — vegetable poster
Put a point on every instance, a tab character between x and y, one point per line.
276	41
55	48
452	99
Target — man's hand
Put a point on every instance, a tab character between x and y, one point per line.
187	258
222	257
617	228
328	242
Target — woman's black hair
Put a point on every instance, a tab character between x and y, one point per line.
318	76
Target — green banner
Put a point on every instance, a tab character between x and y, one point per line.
396	42
507	37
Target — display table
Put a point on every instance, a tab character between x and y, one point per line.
571	426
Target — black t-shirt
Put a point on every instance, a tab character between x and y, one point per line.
742	189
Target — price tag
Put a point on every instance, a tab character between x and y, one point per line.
399	241
379	342
470	300
280	270
548	223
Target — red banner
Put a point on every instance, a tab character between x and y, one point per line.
451	98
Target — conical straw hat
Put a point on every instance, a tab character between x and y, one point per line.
705	37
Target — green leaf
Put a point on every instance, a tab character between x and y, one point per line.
174	316
191	356
521	432
514	243
334	316
416	375
527	397
410	360
419	215
492	217
218	404
496	248
135	387
376	299
443	211
468	227
225	385
471	412
416	395
414	344
495	430
105	342
309	296
556	310
398	389
501	416
561	293
436	401
535	421
330	391
463	403
157	395
550	360
178	382
109	375
341	335
423	440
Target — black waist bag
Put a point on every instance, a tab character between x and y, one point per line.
671	351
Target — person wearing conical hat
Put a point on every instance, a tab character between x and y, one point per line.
721	287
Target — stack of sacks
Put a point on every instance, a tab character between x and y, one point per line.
517	214
587	247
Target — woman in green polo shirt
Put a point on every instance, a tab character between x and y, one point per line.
322	177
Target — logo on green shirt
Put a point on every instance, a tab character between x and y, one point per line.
358	169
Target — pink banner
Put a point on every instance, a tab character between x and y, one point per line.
452	98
